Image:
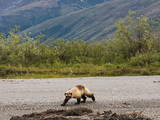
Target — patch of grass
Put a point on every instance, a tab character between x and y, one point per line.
36	76
79	70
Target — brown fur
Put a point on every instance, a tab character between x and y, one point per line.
80	87
78	92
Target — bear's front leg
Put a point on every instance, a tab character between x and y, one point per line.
65	101
78	101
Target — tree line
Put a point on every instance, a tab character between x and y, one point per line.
136	42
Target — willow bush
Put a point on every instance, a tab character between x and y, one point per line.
136	42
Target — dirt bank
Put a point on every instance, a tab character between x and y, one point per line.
80	114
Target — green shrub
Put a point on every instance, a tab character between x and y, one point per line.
144	72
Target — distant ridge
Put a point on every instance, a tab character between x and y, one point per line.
96	22
27	13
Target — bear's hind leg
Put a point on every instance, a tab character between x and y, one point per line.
84	98
93	98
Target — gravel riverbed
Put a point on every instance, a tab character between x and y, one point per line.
119	94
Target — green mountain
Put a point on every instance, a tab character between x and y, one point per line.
27	13
97	22
8	4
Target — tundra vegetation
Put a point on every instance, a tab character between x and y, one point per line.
134	50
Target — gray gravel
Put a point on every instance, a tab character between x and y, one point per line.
119	94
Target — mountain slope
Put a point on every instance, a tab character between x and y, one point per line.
96	22
26	13
8	4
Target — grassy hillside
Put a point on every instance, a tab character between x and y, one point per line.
96	22
26	13
135	50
